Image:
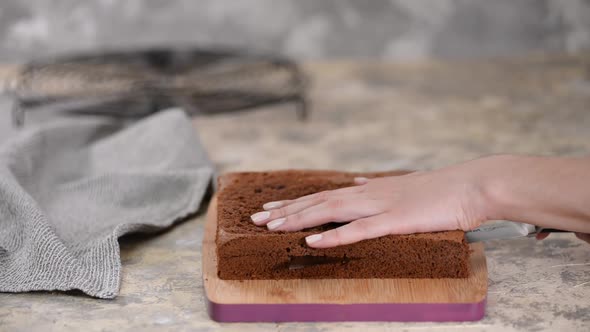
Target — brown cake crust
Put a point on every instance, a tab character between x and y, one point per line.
247	251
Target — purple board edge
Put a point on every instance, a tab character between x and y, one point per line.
312	312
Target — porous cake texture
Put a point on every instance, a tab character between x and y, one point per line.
247	251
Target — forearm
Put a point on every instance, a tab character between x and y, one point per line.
545	191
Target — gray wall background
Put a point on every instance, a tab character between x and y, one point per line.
394	29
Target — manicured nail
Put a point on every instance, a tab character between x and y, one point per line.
272	205
260	216
275	223
361	180
313	238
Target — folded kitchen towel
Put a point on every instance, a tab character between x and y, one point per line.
70	189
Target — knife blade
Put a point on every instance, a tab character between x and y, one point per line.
503	229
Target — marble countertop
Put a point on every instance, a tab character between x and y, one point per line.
365	117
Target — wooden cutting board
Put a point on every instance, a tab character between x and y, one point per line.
341	299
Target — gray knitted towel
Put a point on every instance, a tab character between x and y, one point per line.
70	189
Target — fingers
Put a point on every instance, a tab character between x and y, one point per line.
321	196
281	209
330	193
337	210
263	218
358	230
316	199
306	214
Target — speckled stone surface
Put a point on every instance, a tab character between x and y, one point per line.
370	117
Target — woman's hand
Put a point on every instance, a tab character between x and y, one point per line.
447	199
544	191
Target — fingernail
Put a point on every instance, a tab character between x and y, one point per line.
260	216
361	180
272	205
275	223
313	238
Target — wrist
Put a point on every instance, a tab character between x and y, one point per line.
487	183
529	189
495	176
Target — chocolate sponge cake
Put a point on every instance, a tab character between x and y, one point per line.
247	251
